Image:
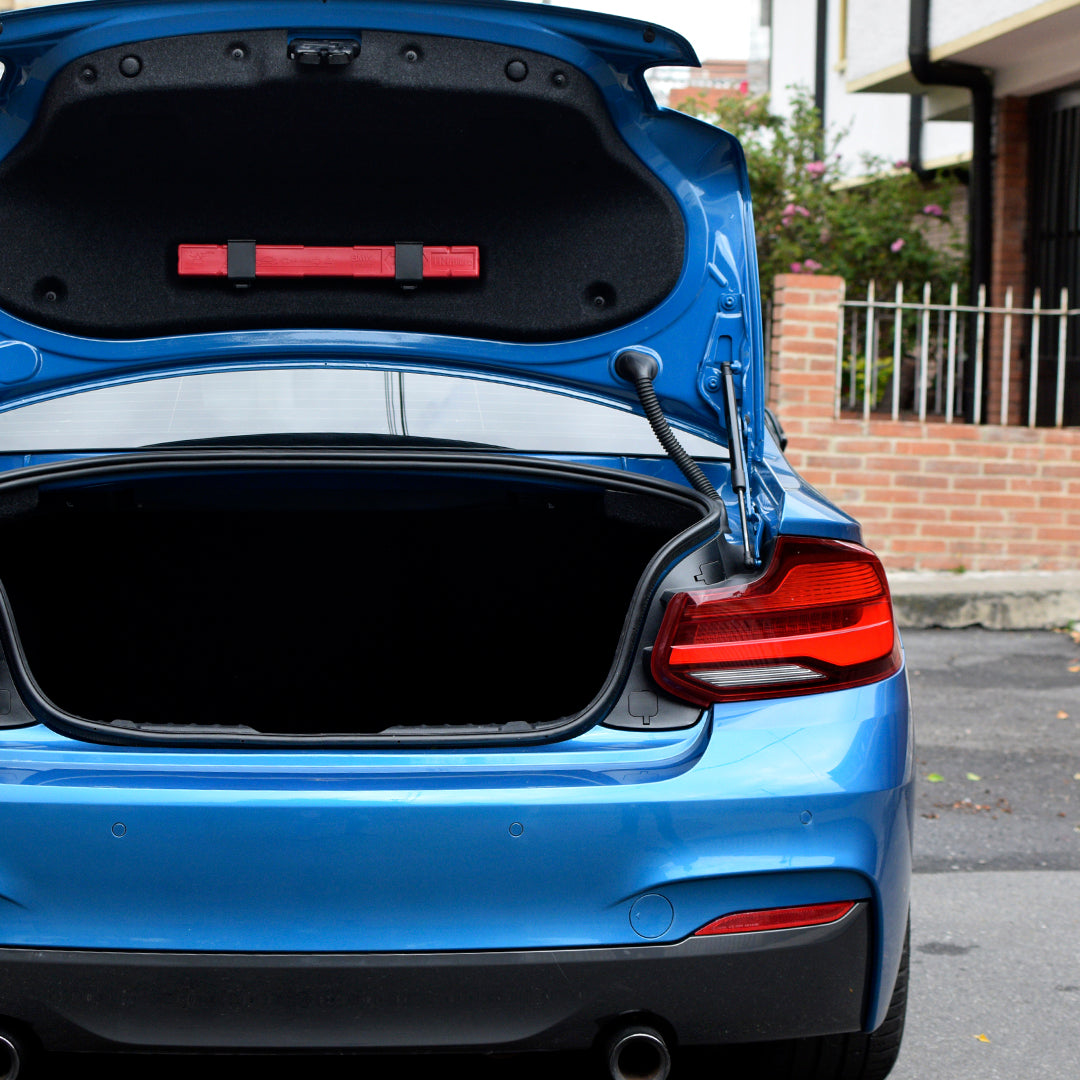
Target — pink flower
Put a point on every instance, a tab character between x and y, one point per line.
933	210
810	265
796	268
896	245
815	168
901	164
787	215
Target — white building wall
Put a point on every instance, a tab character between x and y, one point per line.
876	124
952	19
878	34
792	39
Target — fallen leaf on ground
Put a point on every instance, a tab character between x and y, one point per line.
934	778
964	804
1062	714
1076	775
982	1038
1074	667
973	776
931	816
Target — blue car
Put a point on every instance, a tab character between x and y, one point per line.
413	637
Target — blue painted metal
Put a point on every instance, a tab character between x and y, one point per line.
712	314
300	850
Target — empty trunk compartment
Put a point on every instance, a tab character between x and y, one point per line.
329	600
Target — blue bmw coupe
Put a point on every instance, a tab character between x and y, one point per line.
413	637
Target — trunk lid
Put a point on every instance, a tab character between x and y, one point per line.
600	222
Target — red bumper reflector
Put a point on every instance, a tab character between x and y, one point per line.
784	918
296	261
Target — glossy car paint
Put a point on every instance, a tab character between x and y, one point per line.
760	804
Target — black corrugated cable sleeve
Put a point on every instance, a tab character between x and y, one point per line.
640	369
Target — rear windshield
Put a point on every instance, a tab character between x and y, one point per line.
332	402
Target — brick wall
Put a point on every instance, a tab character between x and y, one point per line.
930	496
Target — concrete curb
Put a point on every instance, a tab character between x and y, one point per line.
1032	600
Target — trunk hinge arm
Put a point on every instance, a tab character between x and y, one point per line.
722	363
737	452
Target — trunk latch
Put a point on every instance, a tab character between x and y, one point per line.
315	51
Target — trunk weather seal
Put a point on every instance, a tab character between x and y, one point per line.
45	712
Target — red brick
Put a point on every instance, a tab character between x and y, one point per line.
980	483
921	482
920	546
1006	468
832	461
1036	517
949	498
954	466
901	528
896	428
941	562
1006	501
987	450
962	514
866	476
951	532
924	447
920	513
1058	502
1005	532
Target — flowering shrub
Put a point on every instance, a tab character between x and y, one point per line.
810	218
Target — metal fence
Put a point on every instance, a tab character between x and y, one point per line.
924	358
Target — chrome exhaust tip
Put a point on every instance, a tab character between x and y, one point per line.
11	1057
638	1053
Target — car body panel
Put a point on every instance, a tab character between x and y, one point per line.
308	851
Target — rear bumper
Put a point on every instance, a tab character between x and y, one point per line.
732	988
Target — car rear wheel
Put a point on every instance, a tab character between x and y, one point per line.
827	1057
849	1057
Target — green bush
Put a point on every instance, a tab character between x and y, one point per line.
811	219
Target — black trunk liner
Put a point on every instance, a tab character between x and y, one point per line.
491	608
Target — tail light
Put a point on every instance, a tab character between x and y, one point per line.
819	618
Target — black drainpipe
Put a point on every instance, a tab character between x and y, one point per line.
981	85
914	141
820	59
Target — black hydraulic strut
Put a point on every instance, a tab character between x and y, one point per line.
738	459
640	369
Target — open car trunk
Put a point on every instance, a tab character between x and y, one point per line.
332	600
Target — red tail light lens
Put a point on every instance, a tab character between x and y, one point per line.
819	618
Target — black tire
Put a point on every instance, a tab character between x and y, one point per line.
827	1057
858	1056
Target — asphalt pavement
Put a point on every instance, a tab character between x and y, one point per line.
995	925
